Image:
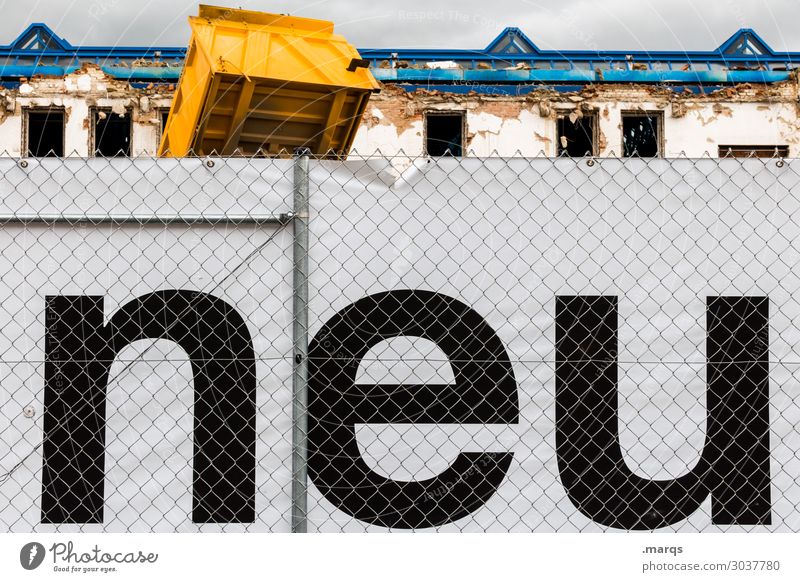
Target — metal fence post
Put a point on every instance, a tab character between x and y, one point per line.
300	342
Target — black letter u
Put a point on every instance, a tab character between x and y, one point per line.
734	465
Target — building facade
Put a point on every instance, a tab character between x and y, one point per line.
509	98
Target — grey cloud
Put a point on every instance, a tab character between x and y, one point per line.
567	24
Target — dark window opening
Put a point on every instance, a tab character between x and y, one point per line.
641	135
576	139
754	151
444	134
164	117
45	136
112	134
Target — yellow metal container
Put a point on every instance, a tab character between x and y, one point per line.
255	82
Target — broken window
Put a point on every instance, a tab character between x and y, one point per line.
753	151
164	113
112	133
444	133
576	136
44	135
641	134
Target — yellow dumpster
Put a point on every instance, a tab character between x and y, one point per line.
255	82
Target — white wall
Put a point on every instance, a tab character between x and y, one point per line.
495	125
77	94
692	127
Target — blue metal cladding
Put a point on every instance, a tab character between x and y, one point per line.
510	64
161	74
577	76
39	51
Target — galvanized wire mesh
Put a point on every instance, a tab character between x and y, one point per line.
498	344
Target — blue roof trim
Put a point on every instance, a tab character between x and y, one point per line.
421	76
745	35
60	47
717	56
42	32
425	77
515	37
744	57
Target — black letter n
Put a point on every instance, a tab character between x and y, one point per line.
79	351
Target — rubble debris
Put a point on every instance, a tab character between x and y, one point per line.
119	108
148	63
678	109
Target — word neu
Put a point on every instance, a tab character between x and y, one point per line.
733	468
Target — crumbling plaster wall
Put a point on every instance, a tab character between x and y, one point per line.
77	93
693	125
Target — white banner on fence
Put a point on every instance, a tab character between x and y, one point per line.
505	238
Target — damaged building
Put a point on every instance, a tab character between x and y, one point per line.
509	98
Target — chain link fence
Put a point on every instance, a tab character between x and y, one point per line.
459	344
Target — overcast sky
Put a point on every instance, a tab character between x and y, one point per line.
562	24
